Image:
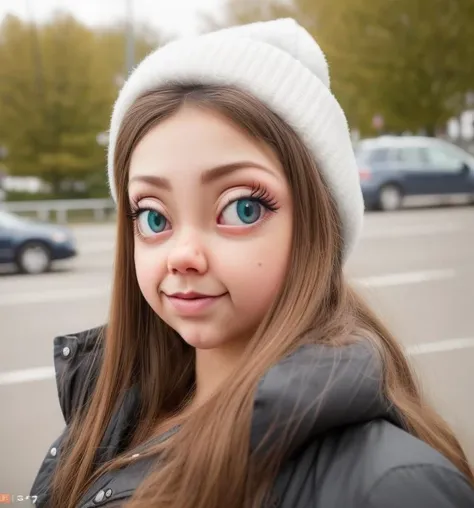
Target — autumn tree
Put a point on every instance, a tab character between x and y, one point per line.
407	60
404	59
58	82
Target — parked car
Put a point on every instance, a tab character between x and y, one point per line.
394	168
33	246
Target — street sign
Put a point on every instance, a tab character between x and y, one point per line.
378	122
102	138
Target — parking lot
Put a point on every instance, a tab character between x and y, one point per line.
415	266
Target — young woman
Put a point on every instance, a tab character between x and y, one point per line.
237	367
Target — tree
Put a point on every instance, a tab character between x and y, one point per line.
57	85
406	60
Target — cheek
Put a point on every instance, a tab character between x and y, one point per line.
256	270
149	269
262	282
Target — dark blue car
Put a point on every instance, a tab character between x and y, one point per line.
33	246
394	169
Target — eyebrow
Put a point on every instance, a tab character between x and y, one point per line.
208	176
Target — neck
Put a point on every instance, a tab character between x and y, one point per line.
213	367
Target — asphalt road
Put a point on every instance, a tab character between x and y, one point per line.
415	266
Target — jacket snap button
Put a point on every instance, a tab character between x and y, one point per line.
99	496
108	493
66	351
53	452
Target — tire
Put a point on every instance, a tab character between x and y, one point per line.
34	258
390	198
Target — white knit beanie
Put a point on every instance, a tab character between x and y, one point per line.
279	63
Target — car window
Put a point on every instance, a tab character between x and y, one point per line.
412	156
378	155
444	158
373	155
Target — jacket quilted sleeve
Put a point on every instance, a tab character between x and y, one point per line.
424	485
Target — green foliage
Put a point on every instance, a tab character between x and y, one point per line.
58	82
408	60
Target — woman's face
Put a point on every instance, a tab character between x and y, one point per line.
213	217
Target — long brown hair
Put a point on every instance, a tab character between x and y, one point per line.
208	464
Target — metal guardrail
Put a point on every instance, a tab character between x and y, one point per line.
61	207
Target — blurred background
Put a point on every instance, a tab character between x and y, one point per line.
401	69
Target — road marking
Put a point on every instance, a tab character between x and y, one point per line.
440	346
53	295
45	373
73	294
405	231
404	278
24	376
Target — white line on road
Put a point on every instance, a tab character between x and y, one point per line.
45	373
23	376
53	295
440	346
73	294
405	278
418	230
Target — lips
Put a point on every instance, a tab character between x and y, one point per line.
190	296
192	303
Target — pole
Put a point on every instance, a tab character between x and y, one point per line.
130	38
36	52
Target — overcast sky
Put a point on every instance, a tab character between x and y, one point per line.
171	16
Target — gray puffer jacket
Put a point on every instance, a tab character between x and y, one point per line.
349	449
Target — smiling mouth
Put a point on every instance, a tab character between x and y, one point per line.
192	303
192	296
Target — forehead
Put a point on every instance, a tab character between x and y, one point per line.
193	140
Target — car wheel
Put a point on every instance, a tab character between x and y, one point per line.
390	198
34	258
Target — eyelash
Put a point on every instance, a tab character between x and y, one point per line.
135	209
258	193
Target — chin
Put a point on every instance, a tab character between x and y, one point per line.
207	336
199	340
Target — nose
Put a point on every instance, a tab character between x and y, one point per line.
187	256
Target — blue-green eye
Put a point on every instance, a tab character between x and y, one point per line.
151	222
242	211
